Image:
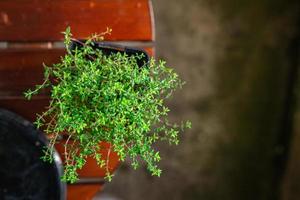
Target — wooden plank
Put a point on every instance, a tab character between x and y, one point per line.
25	108
25	70
22	69
43	20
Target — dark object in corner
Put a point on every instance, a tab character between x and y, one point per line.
23	175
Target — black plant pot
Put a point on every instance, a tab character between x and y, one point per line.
23	175
110	48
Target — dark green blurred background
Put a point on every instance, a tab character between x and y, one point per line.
240	59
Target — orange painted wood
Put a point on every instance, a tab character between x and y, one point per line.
22	69
43	20
91	168
25	70
150	51
83	191
23	107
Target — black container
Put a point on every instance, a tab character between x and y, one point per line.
23	175
110	48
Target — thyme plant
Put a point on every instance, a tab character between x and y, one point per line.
97	97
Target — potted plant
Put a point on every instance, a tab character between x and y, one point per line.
107	102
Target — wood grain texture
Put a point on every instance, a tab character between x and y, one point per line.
43	20
25	108
21	69
25	70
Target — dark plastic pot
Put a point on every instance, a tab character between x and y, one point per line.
23	175
110	48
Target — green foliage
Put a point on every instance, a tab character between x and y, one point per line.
95	97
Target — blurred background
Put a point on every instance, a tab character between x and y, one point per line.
240	60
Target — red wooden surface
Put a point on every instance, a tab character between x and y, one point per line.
23	107
22	69
43	20
25	70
